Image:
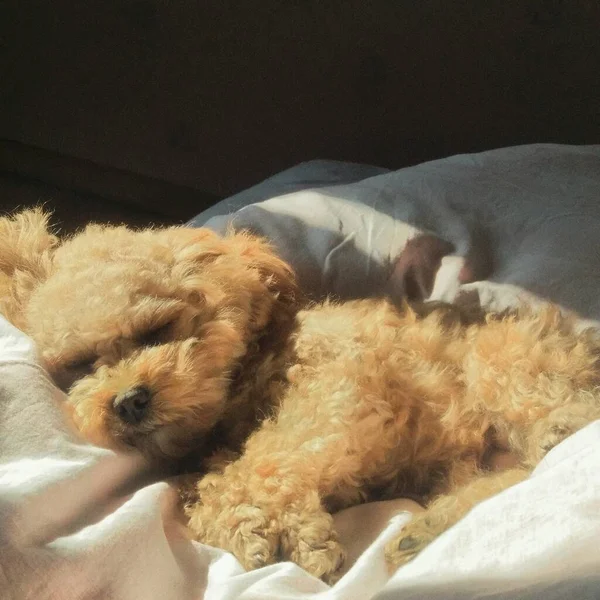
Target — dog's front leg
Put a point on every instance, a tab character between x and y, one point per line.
226	516
266	507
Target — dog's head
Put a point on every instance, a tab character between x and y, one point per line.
143	329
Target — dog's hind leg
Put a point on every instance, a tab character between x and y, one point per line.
446	510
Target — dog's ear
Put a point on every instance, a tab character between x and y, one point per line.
277	279
26	247
254	277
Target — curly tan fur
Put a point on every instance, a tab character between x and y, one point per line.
298	410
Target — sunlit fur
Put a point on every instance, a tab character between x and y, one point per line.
102	292
327	405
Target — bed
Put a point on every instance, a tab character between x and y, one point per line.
78	521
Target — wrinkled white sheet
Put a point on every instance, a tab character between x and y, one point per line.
535	209
70	528
81	522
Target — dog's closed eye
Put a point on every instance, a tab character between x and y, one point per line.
73	371
83	366
154	337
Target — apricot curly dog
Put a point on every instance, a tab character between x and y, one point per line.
175	340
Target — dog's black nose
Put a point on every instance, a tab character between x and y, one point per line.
132	405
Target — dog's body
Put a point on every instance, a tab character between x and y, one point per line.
196	343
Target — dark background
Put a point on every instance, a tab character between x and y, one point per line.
151	110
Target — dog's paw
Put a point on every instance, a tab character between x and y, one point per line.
244	530
554	436
559	425
309	539
322	560
319	553
413	538
253	539
259	529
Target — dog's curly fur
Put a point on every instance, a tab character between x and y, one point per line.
300	409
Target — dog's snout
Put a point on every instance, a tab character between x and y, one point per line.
132	406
